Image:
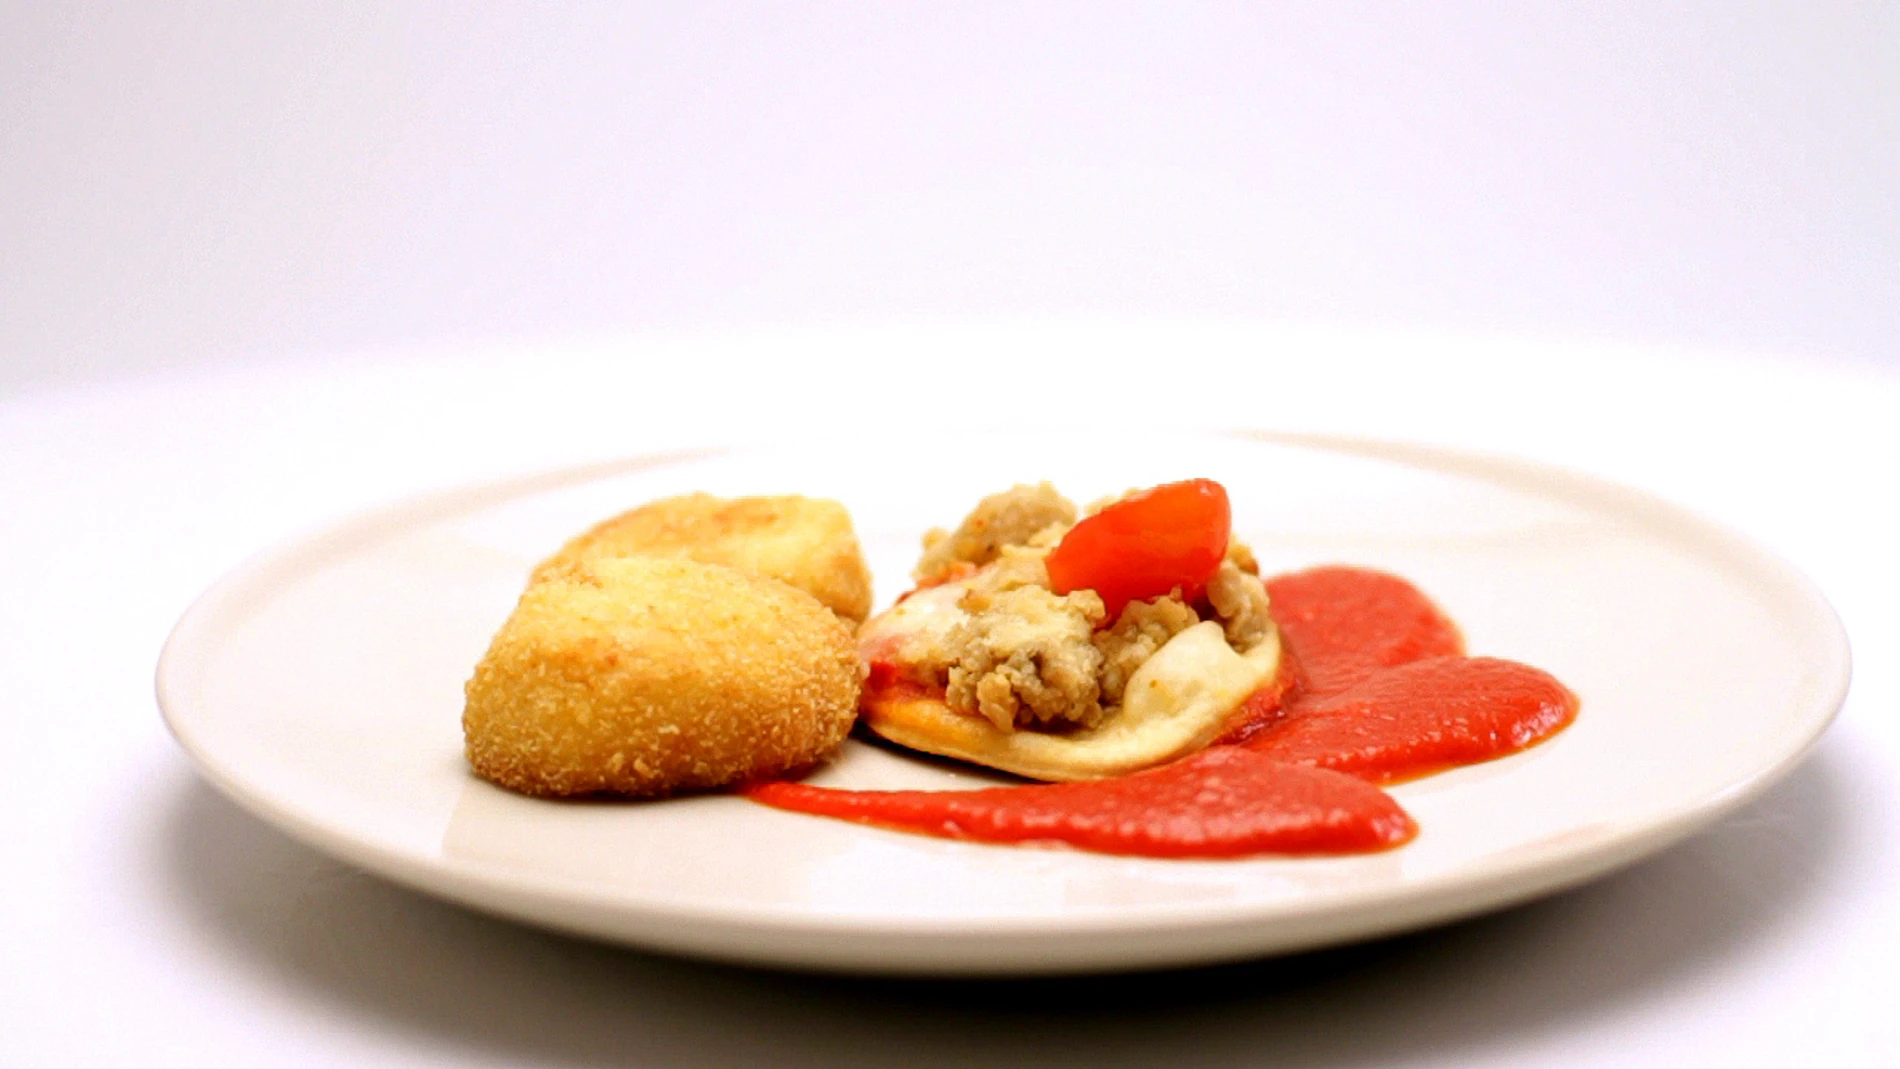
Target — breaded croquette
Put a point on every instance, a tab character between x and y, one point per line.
807	542
645	676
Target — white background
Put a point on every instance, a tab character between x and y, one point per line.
261	265
184	182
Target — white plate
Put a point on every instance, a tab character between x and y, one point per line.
320	687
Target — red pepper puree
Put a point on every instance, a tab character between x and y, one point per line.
1222	802
1381	691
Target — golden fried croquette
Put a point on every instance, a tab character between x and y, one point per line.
805	541
649	675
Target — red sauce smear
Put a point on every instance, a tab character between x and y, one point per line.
1224	802
1421	718
1380	691
1342	625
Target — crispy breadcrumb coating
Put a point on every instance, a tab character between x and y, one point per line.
1026	659
807	542
648	675
1011	518
1142	628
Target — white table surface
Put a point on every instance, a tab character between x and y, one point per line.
151	922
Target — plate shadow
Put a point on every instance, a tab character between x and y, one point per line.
387	958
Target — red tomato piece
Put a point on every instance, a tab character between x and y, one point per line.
1173	535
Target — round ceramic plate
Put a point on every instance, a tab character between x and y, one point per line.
321	688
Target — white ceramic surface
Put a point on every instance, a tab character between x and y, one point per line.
320	687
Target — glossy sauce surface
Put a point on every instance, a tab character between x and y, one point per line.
1381	692
1223	802
1420	718
1342	625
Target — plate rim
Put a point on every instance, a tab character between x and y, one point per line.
798	938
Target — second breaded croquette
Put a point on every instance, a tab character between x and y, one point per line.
805	541
644	676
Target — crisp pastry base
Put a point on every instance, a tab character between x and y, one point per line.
1182	699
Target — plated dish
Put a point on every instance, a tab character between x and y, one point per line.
320	686
1171	700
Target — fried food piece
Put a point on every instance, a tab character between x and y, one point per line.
648	675
805	541
1012	518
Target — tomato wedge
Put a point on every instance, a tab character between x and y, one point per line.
1146	545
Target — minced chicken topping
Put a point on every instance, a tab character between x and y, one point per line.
1144	627
1027	660
1027	657
1010	518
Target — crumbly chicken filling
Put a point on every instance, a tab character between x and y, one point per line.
1026	660
1010	518
1240	555
1013	568
1142	628
1240	600
1026	657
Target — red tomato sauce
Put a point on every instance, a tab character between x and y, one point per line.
1379	692
1344	624
1420	718
885	680
1223	802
